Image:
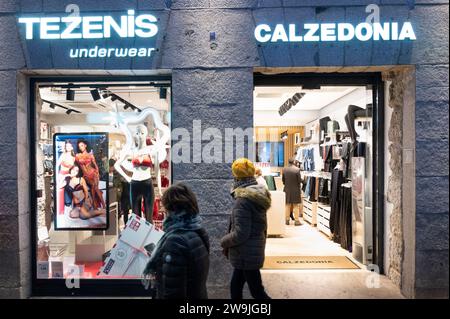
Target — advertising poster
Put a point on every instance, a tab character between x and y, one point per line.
81	181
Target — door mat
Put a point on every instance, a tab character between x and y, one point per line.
309	262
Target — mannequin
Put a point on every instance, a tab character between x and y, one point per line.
143	158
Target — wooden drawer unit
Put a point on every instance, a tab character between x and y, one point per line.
310	212
323	219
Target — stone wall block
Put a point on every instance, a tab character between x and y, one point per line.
188	44
432	120
432	157
8	198
9	266
430	24
331	53
432	231
432	269
213	195
90	6
432	195
431	76
10	48
213	87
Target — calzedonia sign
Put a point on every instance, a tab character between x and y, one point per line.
84	28
340	32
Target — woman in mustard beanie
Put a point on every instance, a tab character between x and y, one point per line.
245	243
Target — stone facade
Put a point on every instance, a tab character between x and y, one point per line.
213	82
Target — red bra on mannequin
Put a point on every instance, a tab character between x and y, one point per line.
146	161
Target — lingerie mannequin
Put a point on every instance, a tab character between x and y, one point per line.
139	158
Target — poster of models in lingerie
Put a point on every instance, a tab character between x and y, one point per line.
81	181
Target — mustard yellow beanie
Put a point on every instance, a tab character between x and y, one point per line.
242	168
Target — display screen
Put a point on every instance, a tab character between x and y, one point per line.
270	152
81	180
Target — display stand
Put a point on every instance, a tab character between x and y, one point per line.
275	214
323	219
310	211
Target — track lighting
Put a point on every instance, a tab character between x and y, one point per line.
70	95
162	93
95	94
69	111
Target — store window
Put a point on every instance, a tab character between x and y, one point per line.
324	213
102	152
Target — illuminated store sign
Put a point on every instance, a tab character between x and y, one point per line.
94	27
315	32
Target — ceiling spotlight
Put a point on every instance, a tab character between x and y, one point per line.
95	94
113	97
162	93
126	106
70	95
52	106
69	111
284	135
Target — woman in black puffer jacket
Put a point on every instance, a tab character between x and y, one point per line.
245	242
179	266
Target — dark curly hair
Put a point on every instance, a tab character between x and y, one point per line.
179	197
85	143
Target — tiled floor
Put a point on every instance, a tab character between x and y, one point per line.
318	284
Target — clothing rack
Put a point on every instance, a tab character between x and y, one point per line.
324	175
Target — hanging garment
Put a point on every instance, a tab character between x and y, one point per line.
323	129
337	153
313	190
336	181
346	157
360	150
308	187
330	163
324	194
332	127
345	218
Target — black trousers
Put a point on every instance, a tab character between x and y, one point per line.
142	190
254	282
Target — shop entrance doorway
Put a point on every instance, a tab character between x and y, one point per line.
318	139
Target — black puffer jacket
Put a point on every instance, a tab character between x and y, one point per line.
182	266
246	240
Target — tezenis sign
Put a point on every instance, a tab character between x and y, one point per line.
94	27
321	32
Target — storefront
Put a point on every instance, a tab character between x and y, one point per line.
187	76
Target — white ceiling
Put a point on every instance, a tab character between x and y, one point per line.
271	98
141	97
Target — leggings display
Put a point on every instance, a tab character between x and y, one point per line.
350	120
345	218
336	181
324	194
142	190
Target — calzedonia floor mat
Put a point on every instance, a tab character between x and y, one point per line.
308	262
